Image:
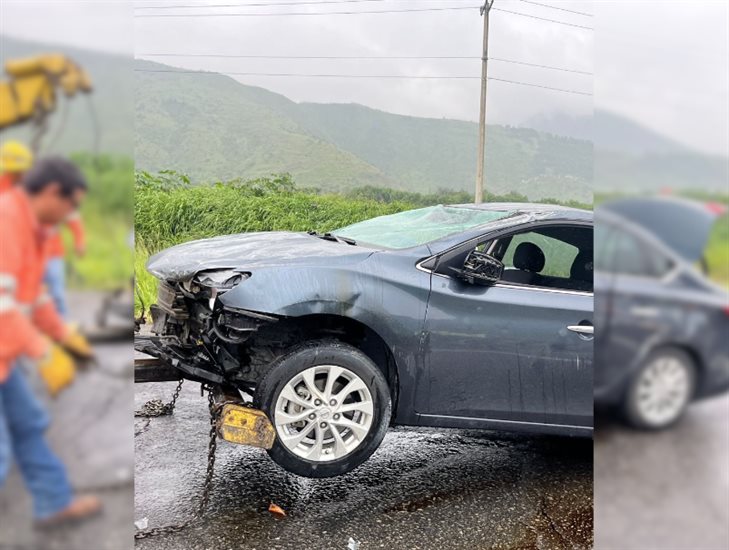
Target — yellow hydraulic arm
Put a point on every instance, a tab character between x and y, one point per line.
29	92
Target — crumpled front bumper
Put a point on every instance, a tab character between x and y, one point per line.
205	344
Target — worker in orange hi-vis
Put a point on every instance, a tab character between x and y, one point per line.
55	276
15	160
32	332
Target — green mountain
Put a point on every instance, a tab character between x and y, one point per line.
616	171
425	154
608	131
631	157
212	127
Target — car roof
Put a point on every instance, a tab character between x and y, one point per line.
520	214
557	211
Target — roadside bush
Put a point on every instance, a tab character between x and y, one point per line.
167	214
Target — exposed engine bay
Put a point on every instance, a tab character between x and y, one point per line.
203	339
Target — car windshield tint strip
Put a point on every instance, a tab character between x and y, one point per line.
417	227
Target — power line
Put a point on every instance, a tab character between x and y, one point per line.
365	58
544	19
257	5
557	8
362	12
565	90
564	69
272	4
393	76
357	12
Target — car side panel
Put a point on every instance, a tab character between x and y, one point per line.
647	314
505	353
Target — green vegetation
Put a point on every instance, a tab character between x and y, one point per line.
168	211
107	216
717	251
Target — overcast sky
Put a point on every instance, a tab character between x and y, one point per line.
663	64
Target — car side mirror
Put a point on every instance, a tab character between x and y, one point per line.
480	269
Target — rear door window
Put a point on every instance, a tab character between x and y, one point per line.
633	256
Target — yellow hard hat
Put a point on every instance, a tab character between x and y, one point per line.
15	157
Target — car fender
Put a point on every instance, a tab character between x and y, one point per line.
362	293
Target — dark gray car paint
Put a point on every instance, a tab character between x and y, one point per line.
297	275
505	353
247	250
634	316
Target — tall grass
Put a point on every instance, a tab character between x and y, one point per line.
717	252
170	214
107	216
145	285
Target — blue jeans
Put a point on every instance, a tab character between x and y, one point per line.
55	279
23	422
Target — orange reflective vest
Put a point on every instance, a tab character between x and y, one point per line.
55	244
6	182
26	310
55	240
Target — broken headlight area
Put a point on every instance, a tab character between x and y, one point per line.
208	285
218	279
197	334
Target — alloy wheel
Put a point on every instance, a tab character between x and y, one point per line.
323	413
663	391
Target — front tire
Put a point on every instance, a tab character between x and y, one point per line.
660	392
330	406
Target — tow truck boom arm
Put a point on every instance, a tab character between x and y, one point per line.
29	92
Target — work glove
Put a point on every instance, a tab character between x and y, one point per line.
77	345
56	369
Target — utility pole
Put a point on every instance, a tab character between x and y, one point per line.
478	196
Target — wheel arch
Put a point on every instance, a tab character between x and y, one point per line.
692	353
325	326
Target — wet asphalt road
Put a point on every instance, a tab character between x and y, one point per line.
421	489
667	490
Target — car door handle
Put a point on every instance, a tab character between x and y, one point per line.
582	329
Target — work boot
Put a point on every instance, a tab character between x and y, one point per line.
81	508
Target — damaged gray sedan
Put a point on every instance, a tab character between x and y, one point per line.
466	316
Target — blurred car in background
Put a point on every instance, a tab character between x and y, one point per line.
662	328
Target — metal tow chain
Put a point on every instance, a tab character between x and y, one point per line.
156	407
208	484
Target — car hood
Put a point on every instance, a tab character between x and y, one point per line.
250	250
683	225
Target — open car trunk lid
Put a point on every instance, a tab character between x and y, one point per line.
683	225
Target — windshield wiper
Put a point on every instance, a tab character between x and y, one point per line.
335	238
